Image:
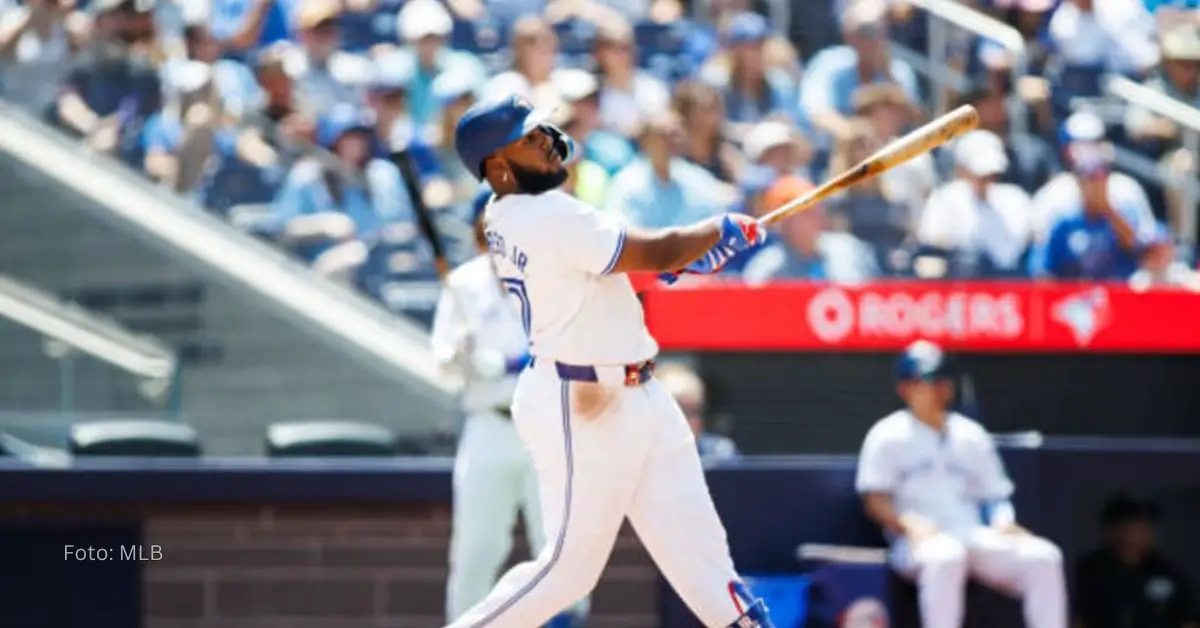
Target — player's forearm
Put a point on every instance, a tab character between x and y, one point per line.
880	509
667	250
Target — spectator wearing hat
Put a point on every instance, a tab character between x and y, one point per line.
534	54
707	143
805	248
324	75
981	225
1091	223
628	95
115	87
1031	160
1179	78
751	90
834	74
890	113
580	92
37	43
779	147
342	211
1128	583
661	189
244	26
869	210
1091	37
179	140
424	26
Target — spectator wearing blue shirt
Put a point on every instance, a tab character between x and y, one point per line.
661	189
1094	233
628	95
324	75
338	211
751	89
424	26
834	74
805	249
244	26
580	90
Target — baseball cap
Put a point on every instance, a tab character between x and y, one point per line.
341	119
864	13
314	12
454	83
981	153
746	27
185	77
491	125
422	18
1181	43
764	136
1083	126
784	190
392	73
923	361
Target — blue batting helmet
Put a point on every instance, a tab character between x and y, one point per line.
923	360
491	125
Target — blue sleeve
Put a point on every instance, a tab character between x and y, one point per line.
292	200
155	136
1046	258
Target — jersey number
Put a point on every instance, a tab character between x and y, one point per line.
516	287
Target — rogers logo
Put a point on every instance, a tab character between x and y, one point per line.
833	315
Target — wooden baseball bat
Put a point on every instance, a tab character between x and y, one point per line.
922	140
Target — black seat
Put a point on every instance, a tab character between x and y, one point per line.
134	437
329	438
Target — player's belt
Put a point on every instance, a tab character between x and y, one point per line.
628	374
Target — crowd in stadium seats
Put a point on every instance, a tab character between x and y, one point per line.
291	117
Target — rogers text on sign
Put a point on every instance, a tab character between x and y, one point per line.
835	314
957	315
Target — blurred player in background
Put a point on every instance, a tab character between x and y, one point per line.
926	474
478	336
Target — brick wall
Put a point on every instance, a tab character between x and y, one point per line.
346	567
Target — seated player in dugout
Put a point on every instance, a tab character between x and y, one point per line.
1128	583
925	475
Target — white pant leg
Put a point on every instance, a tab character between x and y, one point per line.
939	566
674	516
587	469
487	494
1028	565
531	510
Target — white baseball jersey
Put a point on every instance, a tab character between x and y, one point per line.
942	476
477	312
555	255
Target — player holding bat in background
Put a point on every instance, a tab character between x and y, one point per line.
478	336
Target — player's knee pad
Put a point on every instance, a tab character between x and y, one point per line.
755	614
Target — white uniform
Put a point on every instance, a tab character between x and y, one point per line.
603	451
947	478
493	476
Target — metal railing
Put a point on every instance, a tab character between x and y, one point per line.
1187	118
941	14
69	330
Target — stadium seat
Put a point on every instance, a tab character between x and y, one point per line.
141	438
329	438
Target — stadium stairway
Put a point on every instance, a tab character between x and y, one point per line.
261	339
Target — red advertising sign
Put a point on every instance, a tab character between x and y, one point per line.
885	316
